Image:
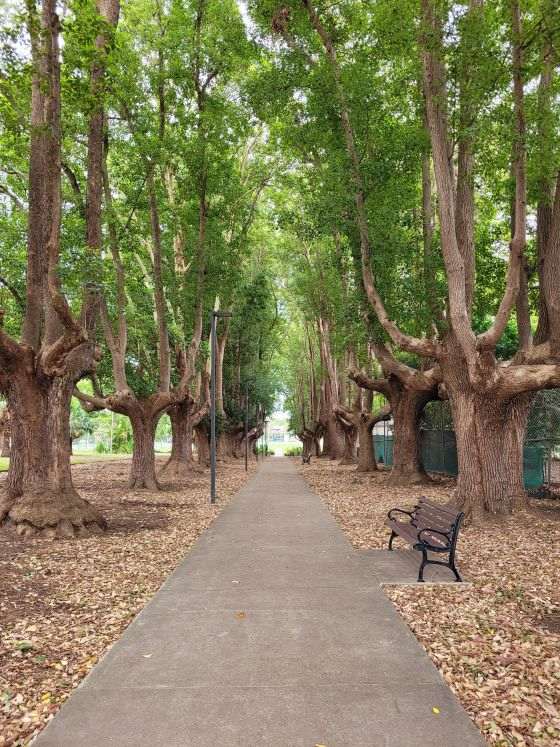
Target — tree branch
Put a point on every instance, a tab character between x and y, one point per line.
364	381
13	197
14	291
74	183
488	340
410	377
419	346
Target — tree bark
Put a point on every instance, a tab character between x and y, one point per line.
366	452
366	422
349	455
407	406
333	443
5	430
181	463
41	497
408	391
143	467
490	434
202	444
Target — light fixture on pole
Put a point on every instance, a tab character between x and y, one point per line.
214	315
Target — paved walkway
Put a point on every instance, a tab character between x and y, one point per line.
273	631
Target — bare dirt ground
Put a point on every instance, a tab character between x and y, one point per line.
497	643
63	603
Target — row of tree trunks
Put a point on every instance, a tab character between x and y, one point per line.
489	400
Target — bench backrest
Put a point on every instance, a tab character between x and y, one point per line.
430	515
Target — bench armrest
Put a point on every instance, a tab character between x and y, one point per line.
400	511
434	531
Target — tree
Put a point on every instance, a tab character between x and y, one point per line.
57	348
489	398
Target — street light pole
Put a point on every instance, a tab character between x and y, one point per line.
213	344
266	436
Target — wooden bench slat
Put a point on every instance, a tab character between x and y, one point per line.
426	521
439	506
410	533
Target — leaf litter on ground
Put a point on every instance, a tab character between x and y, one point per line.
497	642
64	603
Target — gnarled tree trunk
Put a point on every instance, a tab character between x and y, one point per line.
181	464
349	434
407	406
490	429
202	444
333	442
366	451
143	467
41	497
366	423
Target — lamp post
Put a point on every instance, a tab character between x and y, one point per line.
266	437
214	315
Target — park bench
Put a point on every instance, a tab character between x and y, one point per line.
430	527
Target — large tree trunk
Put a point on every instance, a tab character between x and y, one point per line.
41	496
307	447
349	450
490	432
143	468
181	464
238	443
407	407
333	443
366	452
202	445
225	446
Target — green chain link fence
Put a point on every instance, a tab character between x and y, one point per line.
541	453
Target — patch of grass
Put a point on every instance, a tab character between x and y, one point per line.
81	458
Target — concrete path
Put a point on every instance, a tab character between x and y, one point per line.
273	631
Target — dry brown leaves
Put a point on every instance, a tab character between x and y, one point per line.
496	643
63	604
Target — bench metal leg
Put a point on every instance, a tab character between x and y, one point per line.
454	569
391	538
423	564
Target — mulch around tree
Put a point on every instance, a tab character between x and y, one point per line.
497	643
64	603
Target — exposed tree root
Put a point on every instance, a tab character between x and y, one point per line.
176	470
51	515
404	477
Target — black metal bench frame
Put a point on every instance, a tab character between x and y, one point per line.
449	537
